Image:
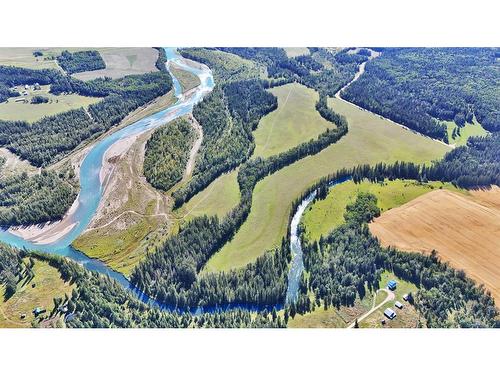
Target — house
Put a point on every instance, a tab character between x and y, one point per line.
391	285
390	313
405	297
399	305
37	86
26	87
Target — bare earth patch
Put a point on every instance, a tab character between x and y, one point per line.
464	230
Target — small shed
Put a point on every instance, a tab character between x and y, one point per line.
405	297
391	285
390	313
399	305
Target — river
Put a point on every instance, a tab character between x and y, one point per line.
91	188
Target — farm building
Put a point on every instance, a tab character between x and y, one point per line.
391	285
398	304
390	313
405	297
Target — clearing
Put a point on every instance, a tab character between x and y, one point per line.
48	285
295	121
468	130
370	139
15	109
296	51
464	230
121	62
322	216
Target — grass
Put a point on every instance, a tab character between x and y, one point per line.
371	139
294	122
23	57
296	51
12	110
186	79
323	216
319	318
218	199
48	285
469	130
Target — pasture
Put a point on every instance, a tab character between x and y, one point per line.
294	121
370	139
322	216
48	285
13	109
464	230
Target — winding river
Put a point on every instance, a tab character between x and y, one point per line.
91	188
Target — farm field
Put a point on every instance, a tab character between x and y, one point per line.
123	61
294	122
23	57
370	139
296	51
14	110
323	216
48	285
463	230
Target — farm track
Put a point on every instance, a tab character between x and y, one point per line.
390	297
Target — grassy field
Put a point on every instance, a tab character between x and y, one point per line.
296	51
48	285
294	122
407	317
469	130
23	57
13	164
13	110
186	79
319	318
323	216
218	199
370	139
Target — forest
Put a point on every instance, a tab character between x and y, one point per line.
167	153
419	87
349	261
51	138
36	199
80	61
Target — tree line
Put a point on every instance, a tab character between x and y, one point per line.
80	61
419	87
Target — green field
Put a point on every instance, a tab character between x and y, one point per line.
319	318
48	285
217	199
13	110
294	122
371	139
23	57
296	51
467	131
323	216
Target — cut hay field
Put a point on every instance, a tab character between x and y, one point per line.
48	285
13	110
323	216
123	61
294	122
464	230
371	139
296	51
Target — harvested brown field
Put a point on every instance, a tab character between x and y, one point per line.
463	229
121	62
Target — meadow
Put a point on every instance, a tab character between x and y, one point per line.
13	109
296	51
294	122
468	130
323	216
370	139
47	286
